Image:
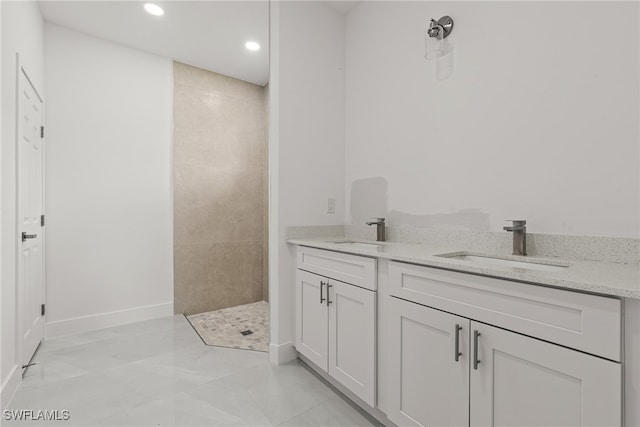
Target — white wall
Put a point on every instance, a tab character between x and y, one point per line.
108	183
539	119
306	141
1	216
22	30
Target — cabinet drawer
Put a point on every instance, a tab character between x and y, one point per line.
585	322
357	270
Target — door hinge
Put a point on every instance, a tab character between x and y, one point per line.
42	309
41	220
41	131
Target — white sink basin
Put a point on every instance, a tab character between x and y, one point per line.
509	263
356	245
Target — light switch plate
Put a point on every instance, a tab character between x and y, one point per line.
331	206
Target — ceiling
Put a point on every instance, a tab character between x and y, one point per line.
206	34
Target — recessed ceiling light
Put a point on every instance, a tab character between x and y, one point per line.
153	9
252	46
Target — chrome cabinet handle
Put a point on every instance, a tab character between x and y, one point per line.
26	236
476	361
458	353
322	299
329	286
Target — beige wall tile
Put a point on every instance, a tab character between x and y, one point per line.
220	191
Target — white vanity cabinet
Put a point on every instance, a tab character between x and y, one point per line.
428	384
312	318
526	381
336	319
449	367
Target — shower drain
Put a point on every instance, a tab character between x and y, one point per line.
247	332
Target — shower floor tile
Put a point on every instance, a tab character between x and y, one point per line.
225	327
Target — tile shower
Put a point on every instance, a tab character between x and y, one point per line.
220	191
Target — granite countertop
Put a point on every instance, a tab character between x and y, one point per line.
607	278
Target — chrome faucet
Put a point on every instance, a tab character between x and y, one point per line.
519	236
379	222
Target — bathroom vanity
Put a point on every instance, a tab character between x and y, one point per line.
423	340
494	346
336	317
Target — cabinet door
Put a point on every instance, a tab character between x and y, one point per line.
427	385
352	339
521	381
311	317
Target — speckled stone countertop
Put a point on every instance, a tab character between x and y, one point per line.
607	278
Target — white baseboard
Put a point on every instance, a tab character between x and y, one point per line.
106	320
282	353
10	386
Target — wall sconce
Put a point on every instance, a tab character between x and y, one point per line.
434	38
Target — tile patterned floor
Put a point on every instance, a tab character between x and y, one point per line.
223	327
159	373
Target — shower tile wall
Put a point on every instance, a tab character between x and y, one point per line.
219	202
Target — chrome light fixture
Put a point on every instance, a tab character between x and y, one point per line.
434	38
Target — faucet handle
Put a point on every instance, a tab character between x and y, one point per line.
517	222
375	221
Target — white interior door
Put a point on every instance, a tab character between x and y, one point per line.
30	209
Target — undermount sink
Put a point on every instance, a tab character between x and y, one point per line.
498	261
357	245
